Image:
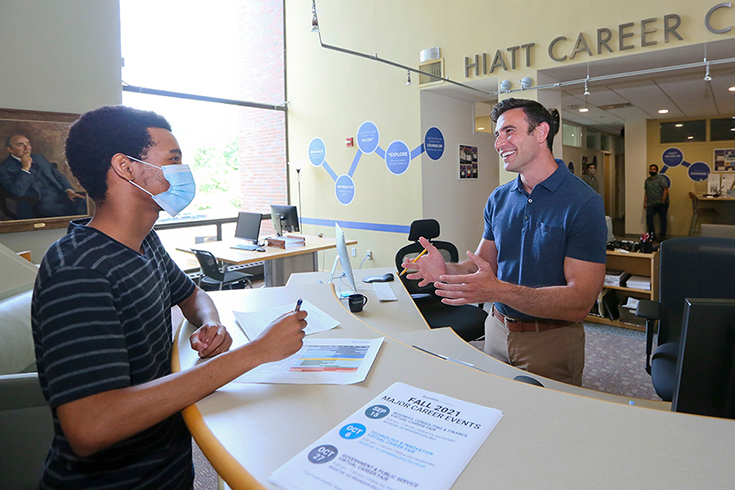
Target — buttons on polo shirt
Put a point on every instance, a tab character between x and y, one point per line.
530	200
526	218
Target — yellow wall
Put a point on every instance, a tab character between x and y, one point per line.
330	94
680	207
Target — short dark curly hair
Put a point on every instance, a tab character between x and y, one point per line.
535	114
99	134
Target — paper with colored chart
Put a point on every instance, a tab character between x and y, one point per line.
320	361
405	438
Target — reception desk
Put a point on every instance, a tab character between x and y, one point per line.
555	437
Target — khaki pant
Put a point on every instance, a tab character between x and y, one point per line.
557	353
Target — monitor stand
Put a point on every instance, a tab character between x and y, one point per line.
341	294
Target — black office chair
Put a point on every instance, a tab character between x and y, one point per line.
214	278
467	321
690	267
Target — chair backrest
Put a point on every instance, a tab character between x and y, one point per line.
5	199
26	431
727	231
692	267
208	264
429	229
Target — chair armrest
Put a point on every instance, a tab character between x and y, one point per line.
650	310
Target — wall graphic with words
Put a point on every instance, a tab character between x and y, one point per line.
673	157
397	156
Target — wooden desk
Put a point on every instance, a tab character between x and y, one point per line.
724	205
547	438
279	263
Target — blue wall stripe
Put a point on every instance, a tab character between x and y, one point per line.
354	163
329	170
417	151
358	225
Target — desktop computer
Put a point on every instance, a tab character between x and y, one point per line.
344	258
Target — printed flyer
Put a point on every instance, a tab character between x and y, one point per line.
405	438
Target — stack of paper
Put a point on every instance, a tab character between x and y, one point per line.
286	241
639	282
615	278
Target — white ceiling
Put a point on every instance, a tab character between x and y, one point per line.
682	91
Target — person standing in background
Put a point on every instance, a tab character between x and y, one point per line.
656	201
590	179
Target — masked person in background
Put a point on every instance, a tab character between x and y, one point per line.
590	177
656	201
101	316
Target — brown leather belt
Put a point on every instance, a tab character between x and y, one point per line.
516	325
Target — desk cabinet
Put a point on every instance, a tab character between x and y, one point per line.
636	264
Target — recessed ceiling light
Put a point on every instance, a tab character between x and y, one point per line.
480	129
690	137
732	89
732	129
680	125
663	111
584	109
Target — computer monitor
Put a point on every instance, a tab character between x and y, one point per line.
344	258
705	369
285	218
248	226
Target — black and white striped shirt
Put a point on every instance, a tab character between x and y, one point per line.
101	316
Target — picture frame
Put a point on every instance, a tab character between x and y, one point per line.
467	162
47	132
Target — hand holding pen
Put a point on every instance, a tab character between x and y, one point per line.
413	262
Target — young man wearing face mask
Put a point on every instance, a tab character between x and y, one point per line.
101	316
656	201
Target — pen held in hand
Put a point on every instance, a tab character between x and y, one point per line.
298	305
413	262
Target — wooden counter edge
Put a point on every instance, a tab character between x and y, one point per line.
226	466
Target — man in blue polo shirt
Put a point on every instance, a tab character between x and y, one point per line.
541	260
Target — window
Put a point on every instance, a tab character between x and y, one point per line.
237	154
571	135
683	131
722	129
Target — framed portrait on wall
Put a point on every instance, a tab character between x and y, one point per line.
37	188
467	162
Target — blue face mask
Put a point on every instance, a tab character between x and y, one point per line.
181	190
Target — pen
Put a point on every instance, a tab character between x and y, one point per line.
413	262
298	304
446	358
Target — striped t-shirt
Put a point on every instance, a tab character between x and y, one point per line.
101	316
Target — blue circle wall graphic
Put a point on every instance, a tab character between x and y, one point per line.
368	137
397	157
434	143
317	151
699	171
672	157
344	189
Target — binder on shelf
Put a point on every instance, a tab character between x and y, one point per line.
606	305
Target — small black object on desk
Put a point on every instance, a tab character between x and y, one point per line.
384	278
